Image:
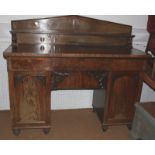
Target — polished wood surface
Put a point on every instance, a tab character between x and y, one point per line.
71	30
73	52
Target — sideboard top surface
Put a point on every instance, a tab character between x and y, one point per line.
73	51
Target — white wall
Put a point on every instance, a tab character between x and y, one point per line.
137	21
70	99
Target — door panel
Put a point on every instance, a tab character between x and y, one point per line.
124	94
31	98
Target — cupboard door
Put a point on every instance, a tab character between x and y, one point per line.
125	89
31	104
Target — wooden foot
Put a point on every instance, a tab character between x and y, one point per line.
104	128
46	130
16	132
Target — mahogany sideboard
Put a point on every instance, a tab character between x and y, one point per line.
72	52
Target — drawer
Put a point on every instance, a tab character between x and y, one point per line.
76	64
49	64
67	39
30	38
128	64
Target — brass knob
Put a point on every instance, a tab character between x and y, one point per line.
36	24
42	48
42	39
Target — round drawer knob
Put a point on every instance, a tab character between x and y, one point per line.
42	48
42	39
36	24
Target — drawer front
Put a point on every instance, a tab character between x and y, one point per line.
75	64
26	38
51	64
66	39
128	64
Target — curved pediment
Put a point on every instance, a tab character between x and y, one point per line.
71	24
